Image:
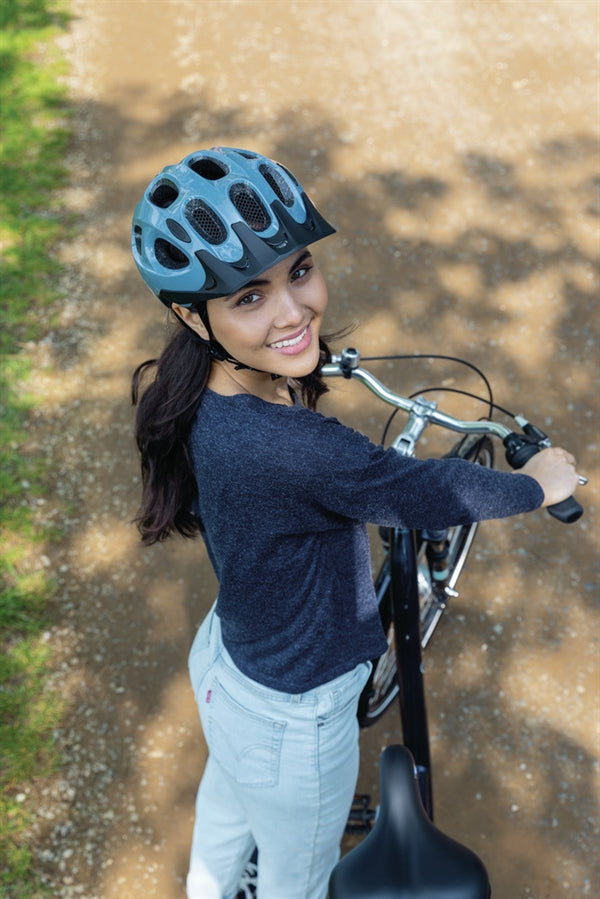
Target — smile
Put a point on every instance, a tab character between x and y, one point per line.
290	342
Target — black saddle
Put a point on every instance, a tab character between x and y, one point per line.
405	856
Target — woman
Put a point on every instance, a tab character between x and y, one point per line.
233	448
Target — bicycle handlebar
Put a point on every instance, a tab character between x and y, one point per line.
519	447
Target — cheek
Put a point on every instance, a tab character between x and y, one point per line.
321	296
243	332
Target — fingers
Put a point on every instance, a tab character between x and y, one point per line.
572	462
567	459
554	470
563	453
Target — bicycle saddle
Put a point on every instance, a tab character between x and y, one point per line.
405	856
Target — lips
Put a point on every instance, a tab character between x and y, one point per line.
294	343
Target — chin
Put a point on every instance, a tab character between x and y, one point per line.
301	370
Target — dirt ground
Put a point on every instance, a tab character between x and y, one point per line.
454	144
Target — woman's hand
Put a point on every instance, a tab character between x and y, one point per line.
554	470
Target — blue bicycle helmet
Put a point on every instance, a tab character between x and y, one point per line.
216	220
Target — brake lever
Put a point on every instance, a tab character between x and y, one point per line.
521	447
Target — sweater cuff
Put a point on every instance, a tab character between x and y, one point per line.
534	489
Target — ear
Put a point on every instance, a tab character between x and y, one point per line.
192	320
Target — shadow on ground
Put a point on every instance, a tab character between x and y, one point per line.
496	266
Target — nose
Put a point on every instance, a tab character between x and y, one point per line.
289	311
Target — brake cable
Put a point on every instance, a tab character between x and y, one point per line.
409	356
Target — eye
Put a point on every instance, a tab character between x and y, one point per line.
301	272
248	299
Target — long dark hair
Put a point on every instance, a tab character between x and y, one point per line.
167	407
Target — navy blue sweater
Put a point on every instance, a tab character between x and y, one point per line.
284	494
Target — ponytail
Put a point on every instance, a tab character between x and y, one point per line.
166	411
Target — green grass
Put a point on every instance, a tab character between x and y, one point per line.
34	130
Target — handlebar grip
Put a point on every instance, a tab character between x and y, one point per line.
568	511
518	450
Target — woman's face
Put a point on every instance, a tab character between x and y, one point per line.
273	323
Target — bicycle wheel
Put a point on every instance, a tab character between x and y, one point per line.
248	882
382	687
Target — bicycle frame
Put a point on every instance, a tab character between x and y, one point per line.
411	695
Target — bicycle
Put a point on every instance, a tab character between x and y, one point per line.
414	586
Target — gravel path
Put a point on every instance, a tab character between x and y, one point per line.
454	143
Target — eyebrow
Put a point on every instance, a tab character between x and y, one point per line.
260	282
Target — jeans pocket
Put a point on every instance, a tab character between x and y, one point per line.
246	744
343	695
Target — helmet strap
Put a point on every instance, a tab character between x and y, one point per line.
216	350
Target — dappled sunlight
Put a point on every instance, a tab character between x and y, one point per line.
580	383
103	375
557	695
534	307
109	262
171	755
166	594
458	169
584	277
381	333
112	352
463	279
110	550
584	232
104	545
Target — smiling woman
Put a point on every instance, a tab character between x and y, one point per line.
232	447
248	295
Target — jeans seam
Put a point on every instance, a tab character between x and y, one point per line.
317	825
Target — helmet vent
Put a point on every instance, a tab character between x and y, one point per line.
137	236
247	203
291	175
209	169
205	221
278	184
164	194
177	231
168	255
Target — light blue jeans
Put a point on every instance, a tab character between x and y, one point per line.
281	775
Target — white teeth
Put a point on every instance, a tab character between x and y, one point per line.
282	343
